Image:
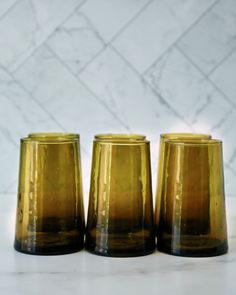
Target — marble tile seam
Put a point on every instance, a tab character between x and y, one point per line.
8	187
8	138
158	95
43	108
106	44
47	38
221	62
89	90
181	36
233	104
8	10
67	18
130	22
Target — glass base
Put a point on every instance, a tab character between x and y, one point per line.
193	247
49	246
120	245
106	253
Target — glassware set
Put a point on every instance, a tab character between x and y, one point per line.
189	218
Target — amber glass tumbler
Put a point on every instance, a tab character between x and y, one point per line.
192	215
120	215
163	138
50	214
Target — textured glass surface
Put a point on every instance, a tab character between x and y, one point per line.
120	215
192	212
163	138
50	214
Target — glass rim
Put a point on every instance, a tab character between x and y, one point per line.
193	142
51	137
120	138
184	136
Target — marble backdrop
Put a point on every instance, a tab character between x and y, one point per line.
140	66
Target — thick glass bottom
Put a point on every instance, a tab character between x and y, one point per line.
193	247
120	245
49	244
102	252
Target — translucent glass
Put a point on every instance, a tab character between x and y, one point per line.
50	214
163	138
192	215
120	215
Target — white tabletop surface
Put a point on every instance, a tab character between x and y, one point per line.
84	273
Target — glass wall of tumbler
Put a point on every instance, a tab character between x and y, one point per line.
50	214
192	219
120	215
189	217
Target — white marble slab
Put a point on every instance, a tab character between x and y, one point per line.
76	42
13	186
73	106
28	24
62	94
9	163
196	99
157	28
103	66
188	92
225	131
225	77
230	175
19	115
5	5
84	273
213	37
131	98
110	16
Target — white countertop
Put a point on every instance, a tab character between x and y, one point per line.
84	273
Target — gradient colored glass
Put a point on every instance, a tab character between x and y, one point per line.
50	214
120	215
163	138
192	214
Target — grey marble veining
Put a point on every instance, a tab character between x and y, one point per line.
158	27
27	26
65	97
76	42
143	66
213	37
224	76
5	5
110	17
122	89
205	109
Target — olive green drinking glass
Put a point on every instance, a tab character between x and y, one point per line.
163	138
50	214
192	214
120	215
